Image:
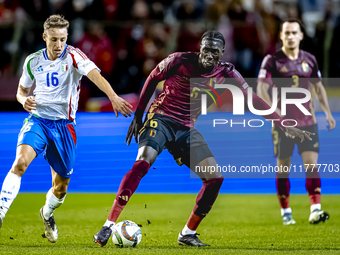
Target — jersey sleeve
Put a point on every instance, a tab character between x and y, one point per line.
27	78
81	62
266	71
163	69
316	74
161	72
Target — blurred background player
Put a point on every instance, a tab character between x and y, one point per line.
170	124
50	127
296	68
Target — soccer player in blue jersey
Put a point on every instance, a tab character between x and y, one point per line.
50	128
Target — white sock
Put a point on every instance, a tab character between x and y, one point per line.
285	210
52	203
9	191
109	224
315	206
187	231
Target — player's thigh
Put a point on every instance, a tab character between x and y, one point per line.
283	145
31	142
191	149
61	149
154	136
24	156
32	133
310	146
310	159
207	163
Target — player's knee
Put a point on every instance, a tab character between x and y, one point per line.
20	165
310	165
218	181
215	183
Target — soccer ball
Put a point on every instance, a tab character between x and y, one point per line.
126	234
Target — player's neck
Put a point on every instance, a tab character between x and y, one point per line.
50	56
292	54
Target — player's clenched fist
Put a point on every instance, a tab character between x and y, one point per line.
29	104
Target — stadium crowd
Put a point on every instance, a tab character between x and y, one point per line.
127	39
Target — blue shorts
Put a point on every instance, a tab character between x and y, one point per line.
56	138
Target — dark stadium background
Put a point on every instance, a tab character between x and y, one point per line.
127	39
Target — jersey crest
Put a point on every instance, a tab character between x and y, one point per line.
305	67
64	67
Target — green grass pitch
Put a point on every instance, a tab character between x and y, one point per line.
237	224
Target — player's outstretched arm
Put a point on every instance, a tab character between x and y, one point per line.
28	102
148	89
322	97
118	103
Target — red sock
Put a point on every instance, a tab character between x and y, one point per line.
127	187
313	186
193	221
282	188
204	201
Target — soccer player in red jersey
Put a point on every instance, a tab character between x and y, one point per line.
170	124
292	67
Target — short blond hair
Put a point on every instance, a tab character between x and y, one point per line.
55	21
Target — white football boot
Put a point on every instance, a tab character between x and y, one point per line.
51	230
317	216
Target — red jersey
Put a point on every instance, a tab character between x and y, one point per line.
280	71
178	99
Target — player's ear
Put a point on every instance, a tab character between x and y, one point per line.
44	36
